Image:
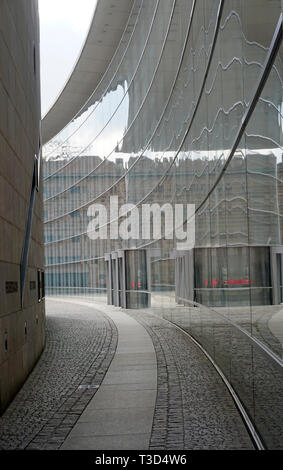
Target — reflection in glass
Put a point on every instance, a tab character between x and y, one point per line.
160	128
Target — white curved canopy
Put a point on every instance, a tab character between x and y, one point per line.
105	32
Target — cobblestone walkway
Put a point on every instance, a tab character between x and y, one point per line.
194	409
81	342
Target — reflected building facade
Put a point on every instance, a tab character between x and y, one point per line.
188	111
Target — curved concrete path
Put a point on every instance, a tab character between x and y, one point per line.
120	415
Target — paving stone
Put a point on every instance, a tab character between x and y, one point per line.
194	409
80	345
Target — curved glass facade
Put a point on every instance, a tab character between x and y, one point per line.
189	112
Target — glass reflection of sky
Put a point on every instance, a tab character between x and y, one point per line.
94	135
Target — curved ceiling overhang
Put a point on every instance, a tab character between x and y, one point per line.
106	29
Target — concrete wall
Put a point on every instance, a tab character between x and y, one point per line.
22	328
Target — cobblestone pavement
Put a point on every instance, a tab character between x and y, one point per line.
81	342
194	409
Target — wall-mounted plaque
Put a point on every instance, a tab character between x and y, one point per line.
11	287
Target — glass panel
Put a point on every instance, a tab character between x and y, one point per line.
159	129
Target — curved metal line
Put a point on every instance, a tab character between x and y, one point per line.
84	288
81	111
265	211
264	137
158	185
275	44
220	8
264	100
120	179
253	339
122	100
205	31
256	439
216	31
157	126
81	261
131	125
199	175
253	43
249	172
34	188
235	198
221	110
